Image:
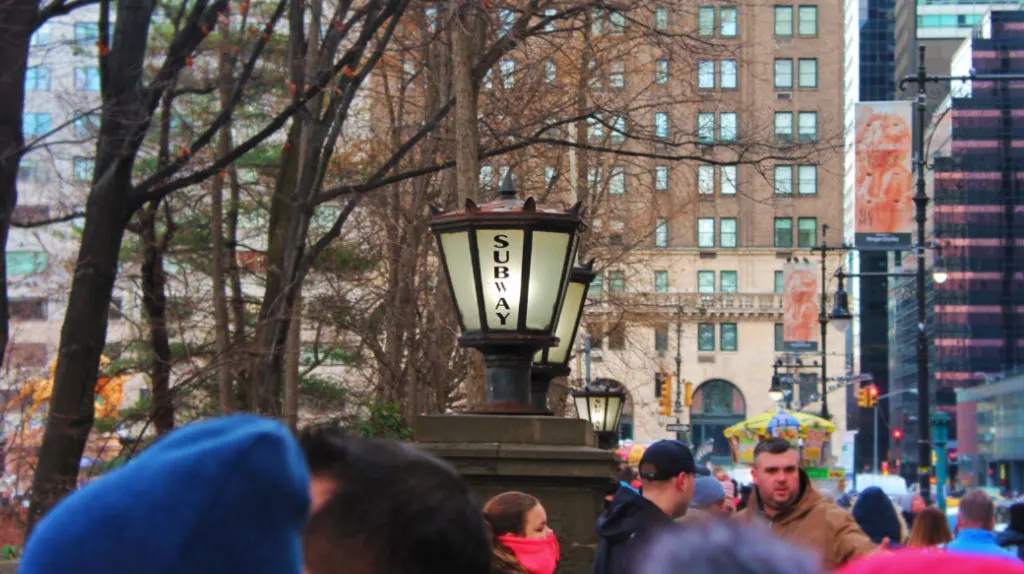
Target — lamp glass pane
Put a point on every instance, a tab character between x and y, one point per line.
598	407
460	272
581	407
614	412
501	276
567	322
547	270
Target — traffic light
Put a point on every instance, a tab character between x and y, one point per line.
862	398
897	434
688	394
872	396
665	401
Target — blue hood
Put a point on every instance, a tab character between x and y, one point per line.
876	515
219	496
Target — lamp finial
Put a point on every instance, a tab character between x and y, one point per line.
508	187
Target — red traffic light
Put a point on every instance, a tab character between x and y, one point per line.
873	391
897	434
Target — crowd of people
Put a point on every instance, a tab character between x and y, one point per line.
241	494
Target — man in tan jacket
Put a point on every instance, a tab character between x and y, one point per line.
795	512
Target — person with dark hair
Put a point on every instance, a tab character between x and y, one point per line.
784	498
522	541
1013	537
723	547
876	516
975	521
667	471
388	508
930	530
746	491
223	495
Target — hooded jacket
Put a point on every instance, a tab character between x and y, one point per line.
876	516
219	496
629	520
815	524
1013	537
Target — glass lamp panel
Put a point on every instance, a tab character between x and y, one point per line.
501	275
598	407
548	267
567	322
581	407
612	414
459	262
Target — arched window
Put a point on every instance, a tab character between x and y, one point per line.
717	405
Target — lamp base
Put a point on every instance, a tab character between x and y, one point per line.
507	358
540	381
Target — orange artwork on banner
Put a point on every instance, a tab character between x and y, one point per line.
884	184
800	307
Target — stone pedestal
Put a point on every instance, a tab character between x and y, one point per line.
551	458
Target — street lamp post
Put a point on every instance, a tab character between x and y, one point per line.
507	263
840	315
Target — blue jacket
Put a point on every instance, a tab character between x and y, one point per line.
876	516
624	528
978	542
223	496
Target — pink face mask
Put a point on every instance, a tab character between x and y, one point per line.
537	555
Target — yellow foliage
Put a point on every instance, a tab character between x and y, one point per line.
109	393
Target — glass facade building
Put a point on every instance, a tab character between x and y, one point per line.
991	434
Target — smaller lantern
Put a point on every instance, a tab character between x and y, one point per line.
507	263
603	408
552	362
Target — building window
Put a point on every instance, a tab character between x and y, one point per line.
706	337
617	237
596	82
783	232
661	232
807	386
780	281
486	176
507	20
706	74
706	21
35	124
783	180
783	73
617	23
807	232
807	17
618	130
808	126
808	179
706	179
808	73
728	282
548	13
26	262
595	129
550	174
661	125
728	336
783	20
727	72
87	79
617	75
727	232
661	178
26	355
780	338
728	130
661	281
617	338
37	79
86	33
28	170
87	126
617	180
661	72
728	182
660	342
706	232
83	168
507	69
28	309
705	127
597	22
596	332
616	281
661	19
550	72
706	282
594	177
783	126
42	36
486	82
595	287
728	18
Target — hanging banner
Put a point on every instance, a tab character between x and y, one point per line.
800	307
884	193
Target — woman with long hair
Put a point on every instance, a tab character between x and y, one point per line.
931	529
523	542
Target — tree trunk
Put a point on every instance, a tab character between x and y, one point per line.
291	376
17	20
154	302
225	382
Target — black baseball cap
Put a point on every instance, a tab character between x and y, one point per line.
667	459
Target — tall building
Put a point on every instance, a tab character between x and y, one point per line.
713	269
976	322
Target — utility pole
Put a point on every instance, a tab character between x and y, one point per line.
679	366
